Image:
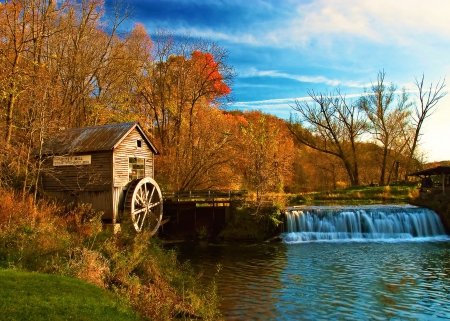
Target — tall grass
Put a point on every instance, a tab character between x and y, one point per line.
363	194
49	238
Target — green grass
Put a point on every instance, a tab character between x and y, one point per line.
34	296
358	195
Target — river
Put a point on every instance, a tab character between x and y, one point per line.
365	278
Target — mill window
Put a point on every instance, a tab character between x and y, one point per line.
136	168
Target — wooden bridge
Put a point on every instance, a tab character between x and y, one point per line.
206	196
189	214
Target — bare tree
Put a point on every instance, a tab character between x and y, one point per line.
428	99
388	113
334	127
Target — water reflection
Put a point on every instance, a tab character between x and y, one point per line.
352	281
250	273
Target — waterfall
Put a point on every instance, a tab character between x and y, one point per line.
361	223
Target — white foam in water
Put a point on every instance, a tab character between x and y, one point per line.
384	223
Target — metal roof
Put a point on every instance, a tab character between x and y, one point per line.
91	139
438	170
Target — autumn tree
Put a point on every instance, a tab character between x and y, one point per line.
135	62
90	62
25	79
186	73
324	172
62	66
187	78
265	154
332	125
205	157
25	27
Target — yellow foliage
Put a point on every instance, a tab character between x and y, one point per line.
357	194
341	185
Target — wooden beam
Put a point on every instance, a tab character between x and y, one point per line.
443	184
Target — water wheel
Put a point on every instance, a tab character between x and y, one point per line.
144	203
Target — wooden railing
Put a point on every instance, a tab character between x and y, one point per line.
204	196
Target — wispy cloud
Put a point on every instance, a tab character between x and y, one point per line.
283	102
253	72
402	22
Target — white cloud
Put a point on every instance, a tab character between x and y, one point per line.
253	72
400	22
297	24
226	35
403	22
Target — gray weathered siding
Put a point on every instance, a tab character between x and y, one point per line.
100	200
94	177
118	198
128	148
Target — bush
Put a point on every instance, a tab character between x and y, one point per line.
252	222
45	237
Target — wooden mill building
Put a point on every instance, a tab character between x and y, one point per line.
107	166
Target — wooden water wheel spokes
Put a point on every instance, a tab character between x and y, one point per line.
144	203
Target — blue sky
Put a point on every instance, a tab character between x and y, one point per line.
282	48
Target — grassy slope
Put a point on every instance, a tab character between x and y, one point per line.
359	195
33	296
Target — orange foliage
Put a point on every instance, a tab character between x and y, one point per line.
209	71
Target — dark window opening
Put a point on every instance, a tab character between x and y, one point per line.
139	143
136	168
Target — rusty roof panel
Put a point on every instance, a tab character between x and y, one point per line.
90	139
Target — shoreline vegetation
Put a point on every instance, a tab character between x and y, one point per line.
359	195
51	239
135	273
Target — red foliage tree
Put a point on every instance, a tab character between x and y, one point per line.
209	75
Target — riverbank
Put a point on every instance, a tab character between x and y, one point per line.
36	296
358	195
69	241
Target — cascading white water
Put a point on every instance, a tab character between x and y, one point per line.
370	222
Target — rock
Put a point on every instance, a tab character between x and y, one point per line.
275	239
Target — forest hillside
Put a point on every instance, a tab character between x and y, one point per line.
66	64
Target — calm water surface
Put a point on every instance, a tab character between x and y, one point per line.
403	280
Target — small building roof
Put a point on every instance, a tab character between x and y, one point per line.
91	139
438	170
